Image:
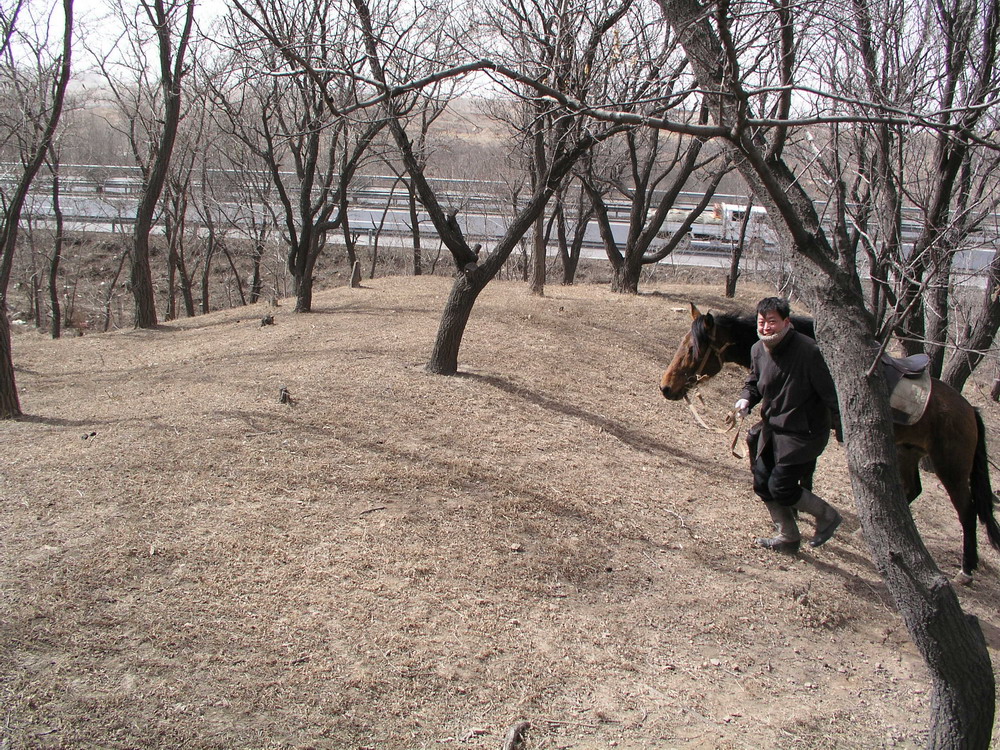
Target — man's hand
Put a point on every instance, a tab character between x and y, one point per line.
742	407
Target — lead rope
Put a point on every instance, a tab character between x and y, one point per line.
731	421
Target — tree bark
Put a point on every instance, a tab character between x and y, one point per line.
55	322
625	276
411	196
454	318
171	73
10	404
952	643
538	257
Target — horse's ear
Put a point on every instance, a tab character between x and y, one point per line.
694	311
709	322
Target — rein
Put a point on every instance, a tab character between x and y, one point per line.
731	421
696	380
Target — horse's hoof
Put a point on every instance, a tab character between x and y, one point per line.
963	578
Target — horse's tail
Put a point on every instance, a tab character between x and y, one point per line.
982	492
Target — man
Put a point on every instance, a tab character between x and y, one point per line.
791	381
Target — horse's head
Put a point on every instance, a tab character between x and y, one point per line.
698	357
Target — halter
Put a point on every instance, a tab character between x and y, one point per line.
698	375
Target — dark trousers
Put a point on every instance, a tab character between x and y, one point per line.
780	483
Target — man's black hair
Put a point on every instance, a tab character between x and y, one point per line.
774	304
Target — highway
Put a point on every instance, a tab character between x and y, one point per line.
111	208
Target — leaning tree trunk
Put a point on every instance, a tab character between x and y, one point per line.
10	405
458	308
951	642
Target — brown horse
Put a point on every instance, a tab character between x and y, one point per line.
951	431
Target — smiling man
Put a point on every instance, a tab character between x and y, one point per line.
790	380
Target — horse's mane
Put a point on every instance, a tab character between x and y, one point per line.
740	329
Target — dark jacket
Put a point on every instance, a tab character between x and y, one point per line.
797	397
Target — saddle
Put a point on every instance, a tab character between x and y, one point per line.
909	383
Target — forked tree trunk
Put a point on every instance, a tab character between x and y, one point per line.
625	276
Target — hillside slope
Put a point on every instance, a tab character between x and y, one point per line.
401	560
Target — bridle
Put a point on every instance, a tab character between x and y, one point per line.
698	375
695	379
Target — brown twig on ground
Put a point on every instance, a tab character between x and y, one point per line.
515	735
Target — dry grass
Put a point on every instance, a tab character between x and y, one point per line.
400	560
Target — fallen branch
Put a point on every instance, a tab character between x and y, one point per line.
573	723
515	735
680	518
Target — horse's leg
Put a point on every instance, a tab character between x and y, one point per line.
909	470
953	469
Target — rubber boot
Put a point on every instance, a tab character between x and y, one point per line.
787	539
827	517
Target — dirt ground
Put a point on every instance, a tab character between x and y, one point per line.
402	560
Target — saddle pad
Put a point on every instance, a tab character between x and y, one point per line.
909	397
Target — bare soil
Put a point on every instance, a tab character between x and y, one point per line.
401	560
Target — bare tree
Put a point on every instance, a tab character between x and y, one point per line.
474	272
55	312
176	196
148	94
647	168
576	218
565	46
651	180
298	71
429	104
35	76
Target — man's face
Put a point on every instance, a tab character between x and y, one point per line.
771	323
